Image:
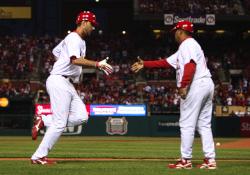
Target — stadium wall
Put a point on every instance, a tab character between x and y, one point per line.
17	118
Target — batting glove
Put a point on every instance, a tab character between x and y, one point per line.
104	66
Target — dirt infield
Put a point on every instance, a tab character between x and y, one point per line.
116	159
238	144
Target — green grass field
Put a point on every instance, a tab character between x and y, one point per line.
143	155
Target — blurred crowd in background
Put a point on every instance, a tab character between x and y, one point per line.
27	60
194	7
31	60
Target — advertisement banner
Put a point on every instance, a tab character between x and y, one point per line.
245	126
229	111
118	110
44	110
208	19
15	12
165	125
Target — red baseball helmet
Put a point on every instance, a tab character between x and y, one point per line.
86	16
184	25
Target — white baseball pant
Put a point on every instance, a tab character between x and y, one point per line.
196	113
67	108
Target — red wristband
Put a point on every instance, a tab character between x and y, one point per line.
96	64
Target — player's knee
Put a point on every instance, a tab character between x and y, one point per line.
81	121
203	128
78	120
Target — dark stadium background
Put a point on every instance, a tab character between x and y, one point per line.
226	44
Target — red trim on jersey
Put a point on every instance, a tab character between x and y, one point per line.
163	63
189	70
72	58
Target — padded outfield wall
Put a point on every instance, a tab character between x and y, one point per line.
16	119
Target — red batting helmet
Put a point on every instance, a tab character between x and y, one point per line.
184	25
86	16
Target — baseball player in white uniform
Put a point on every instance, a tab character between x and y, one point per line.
196	89
67	107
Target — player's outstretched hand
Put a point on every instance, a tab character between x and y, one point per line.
137	65
104	66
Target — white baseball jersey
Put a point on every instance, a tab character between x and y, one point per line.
67	107
189	50
72	45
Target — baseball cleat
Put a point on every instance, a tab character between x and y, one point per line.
181	164
208	164
43	161
38	124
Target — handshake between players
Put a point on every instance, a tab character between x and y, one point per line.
108	69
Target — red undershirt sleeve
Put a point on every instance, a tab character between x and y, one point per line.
189	70
157	64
